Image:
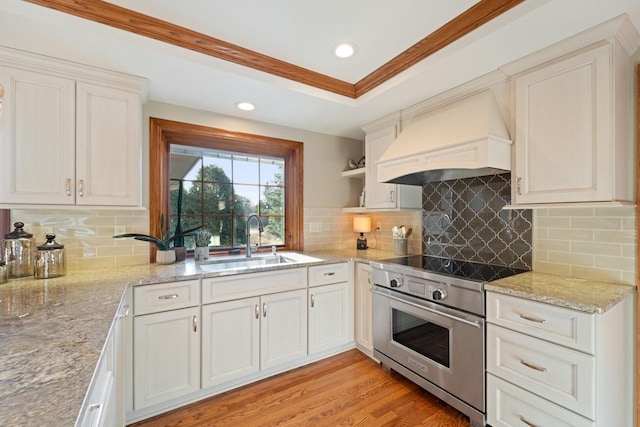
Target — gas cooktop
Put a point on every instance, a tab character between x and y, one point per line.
455	268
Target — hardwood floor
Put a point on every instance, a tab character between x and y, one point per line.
345	390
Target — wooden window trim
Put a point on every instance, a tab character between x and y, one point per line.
163	133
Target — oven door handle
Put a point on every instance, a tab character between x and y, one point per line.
421	307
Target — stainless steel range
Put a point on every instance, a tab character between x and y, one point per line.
428	325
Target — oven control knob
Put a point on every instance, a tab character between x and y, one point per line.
396	283
439	294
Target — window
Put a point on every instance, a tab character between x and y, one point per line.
220	190
225	177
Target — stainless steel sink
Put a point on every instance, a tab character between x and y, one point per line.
241	263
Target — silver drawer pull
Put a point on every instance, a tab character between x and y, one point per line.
125	308
264	309
172	296
195	323
532	319
67	187
81	188
330	274
527	422
532	366
313	301
257	311
95	406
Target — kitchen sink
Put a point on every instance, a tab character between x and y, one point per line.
242	263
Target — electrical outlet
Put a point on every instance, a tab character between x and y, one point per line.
120	229
379	226
315	227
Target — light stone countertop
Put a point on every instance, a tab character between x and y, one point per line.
589	296
52	332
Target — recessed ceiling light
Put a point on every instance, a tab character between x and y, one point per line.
345	50
245	106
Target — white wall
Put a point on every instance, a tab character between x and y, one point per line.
325	156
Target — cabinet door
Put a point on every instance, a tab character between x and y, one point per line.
166	361
364	308
230	340
37	138
328	317
378	195
563	131
283	331
108	150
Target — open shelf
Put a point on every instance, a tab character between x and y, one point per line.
354	173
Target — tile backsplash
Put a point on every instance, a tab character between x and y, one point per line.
87	234
337	229
463	219
591	243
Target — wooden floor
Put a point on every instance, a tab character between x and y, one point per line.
345	390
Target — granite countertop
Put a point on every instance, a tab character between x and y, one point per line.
52	332
589	296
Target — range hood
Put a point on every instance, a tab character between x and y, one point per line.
459	140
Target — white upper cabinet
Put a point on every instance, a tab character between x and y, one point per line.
379	195
108	146
72	134
37	131
574	138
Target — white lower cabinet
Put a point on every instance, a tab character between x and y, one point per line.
328	317
166	361
242	337
364	309
166	331
104	402
553	366
514	406
230	340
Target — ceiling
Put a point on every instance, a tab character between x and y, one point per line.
302	33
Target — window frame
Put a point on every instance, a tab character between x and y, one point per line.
163	133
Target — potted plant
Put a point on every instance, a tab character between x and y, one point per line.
203	239
165	254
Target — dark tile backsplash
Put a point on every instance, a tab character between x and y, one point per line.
463	219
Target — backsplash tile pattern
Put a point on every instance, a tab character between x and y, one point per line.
591	243
337	233
87	234
463	219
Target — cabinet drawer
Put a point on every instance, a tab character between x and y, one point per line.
227	288
564	376
508	405
165	296
559	325
326	274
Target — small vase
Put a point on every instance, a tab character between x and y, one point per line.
166	257
201	253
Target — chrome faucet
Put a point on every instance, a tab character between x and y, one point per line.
260	230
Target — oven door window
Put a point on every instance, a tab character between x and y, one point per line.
421	336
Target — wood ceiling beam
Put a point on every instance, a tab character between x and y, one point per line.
147	26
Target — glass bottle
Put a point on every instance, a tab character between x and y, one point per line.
17	251
49	260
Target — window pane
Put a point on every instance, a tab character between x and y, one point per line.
271	172
217	169
220	229
246	201
191	198
272	201
240	228
183	166
273	231
245	170
218	198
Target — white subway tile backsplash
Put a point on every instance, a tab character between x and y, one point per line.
597	243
